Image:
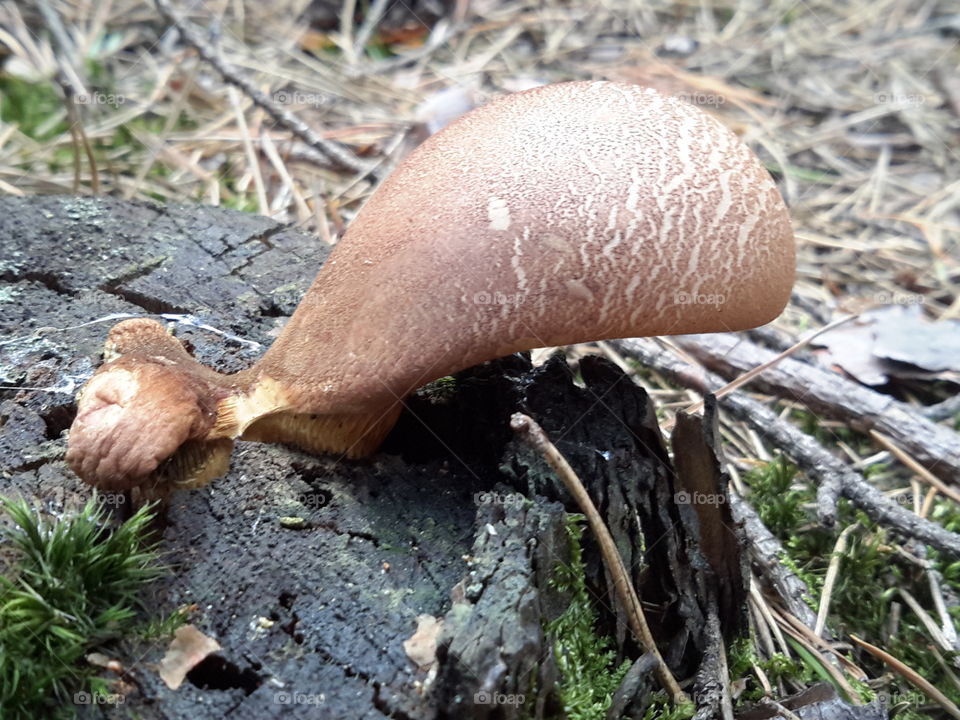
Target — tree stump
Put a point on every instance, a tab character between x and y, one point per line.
453	518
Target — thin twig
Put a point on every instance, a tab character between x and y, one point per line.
751	374
252	160
767	552
924	616
804	636
942	410
819	464
72	86
831	395
911	463
370	20
527	428
346	29
769	621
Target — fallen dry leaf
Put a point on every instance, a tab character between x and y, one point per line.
850	347
894	341
188	649
421	647
908	337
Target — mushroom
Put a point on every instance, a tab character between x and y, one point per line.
562	214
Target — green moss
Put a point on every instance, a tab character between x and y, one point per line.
778	502
440	390
589	672
663	709
31	106
72	588
814	425
742	656
871	573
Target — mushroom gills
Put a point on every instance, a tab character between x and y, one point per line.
353	435
193	465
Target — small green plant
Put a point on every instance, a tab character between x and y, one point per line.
866	588
589	673
779	504
662	708
742	656
162	627
71	588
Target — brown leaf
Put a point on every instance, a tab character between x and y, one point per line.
894	341
188	649
421	647
409	36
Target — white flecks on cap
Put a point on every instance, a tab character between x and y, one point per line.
498	213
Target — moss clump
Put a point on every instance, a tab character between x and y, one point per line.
589	672
867	586
777	501
71	588
440	390
662	708
33	107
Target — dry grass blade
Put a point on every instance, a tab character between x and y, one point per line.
813	644
925	618
832	571
527	428
252	160
339	155
912	676
916	467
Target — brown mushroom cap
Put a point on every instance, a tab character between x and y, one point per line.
563	214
